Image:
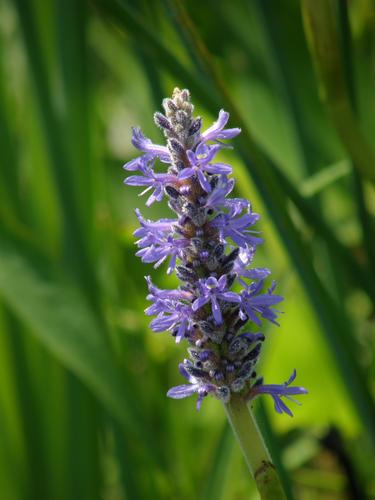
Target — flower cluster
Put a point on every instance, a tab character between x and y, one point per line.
210	244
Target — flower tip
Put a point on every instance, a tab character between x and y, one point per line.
292	377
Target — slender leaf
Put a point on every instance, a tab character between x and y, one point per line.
60	318
76	251
214	483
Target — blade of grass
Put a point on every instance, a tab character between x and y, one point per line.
60	456
170	11
14	208
133	489
125	16
30	421
348	71
83	471
13	448
321	29
324	178
73	56
77	256
10	192
283	82
215	477
59	316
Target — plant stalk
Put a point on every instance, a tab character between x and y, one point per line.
254	449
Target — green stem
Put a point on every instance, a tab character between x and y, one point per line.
254	449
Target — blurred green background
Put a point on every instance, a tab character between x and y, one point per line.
83	411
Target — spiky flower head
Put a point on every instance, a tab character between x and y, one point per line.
222	301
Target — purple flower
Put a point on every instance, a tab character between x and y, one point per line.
253	303
173	316
279	391
210	290
160	249
195	386
139	163
237	205
217	198
144	144
149	227
237	228
158	242
216	131
211	244
150	179
242	263
157	294
200	162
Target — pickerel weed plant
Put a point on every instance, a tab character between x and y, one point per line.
210	244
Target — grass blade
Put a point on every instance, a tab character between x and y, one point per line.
321	28
61	319
76	253
215	479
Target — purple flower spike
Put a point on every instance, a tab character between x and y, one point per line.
210	243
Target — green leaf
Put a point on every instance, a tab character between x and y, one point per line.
324	178
76	252
59	316
215	477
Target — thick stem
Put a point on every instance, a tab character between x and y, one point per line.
254	449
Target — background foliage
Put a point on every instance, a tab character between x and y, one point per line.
83	412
